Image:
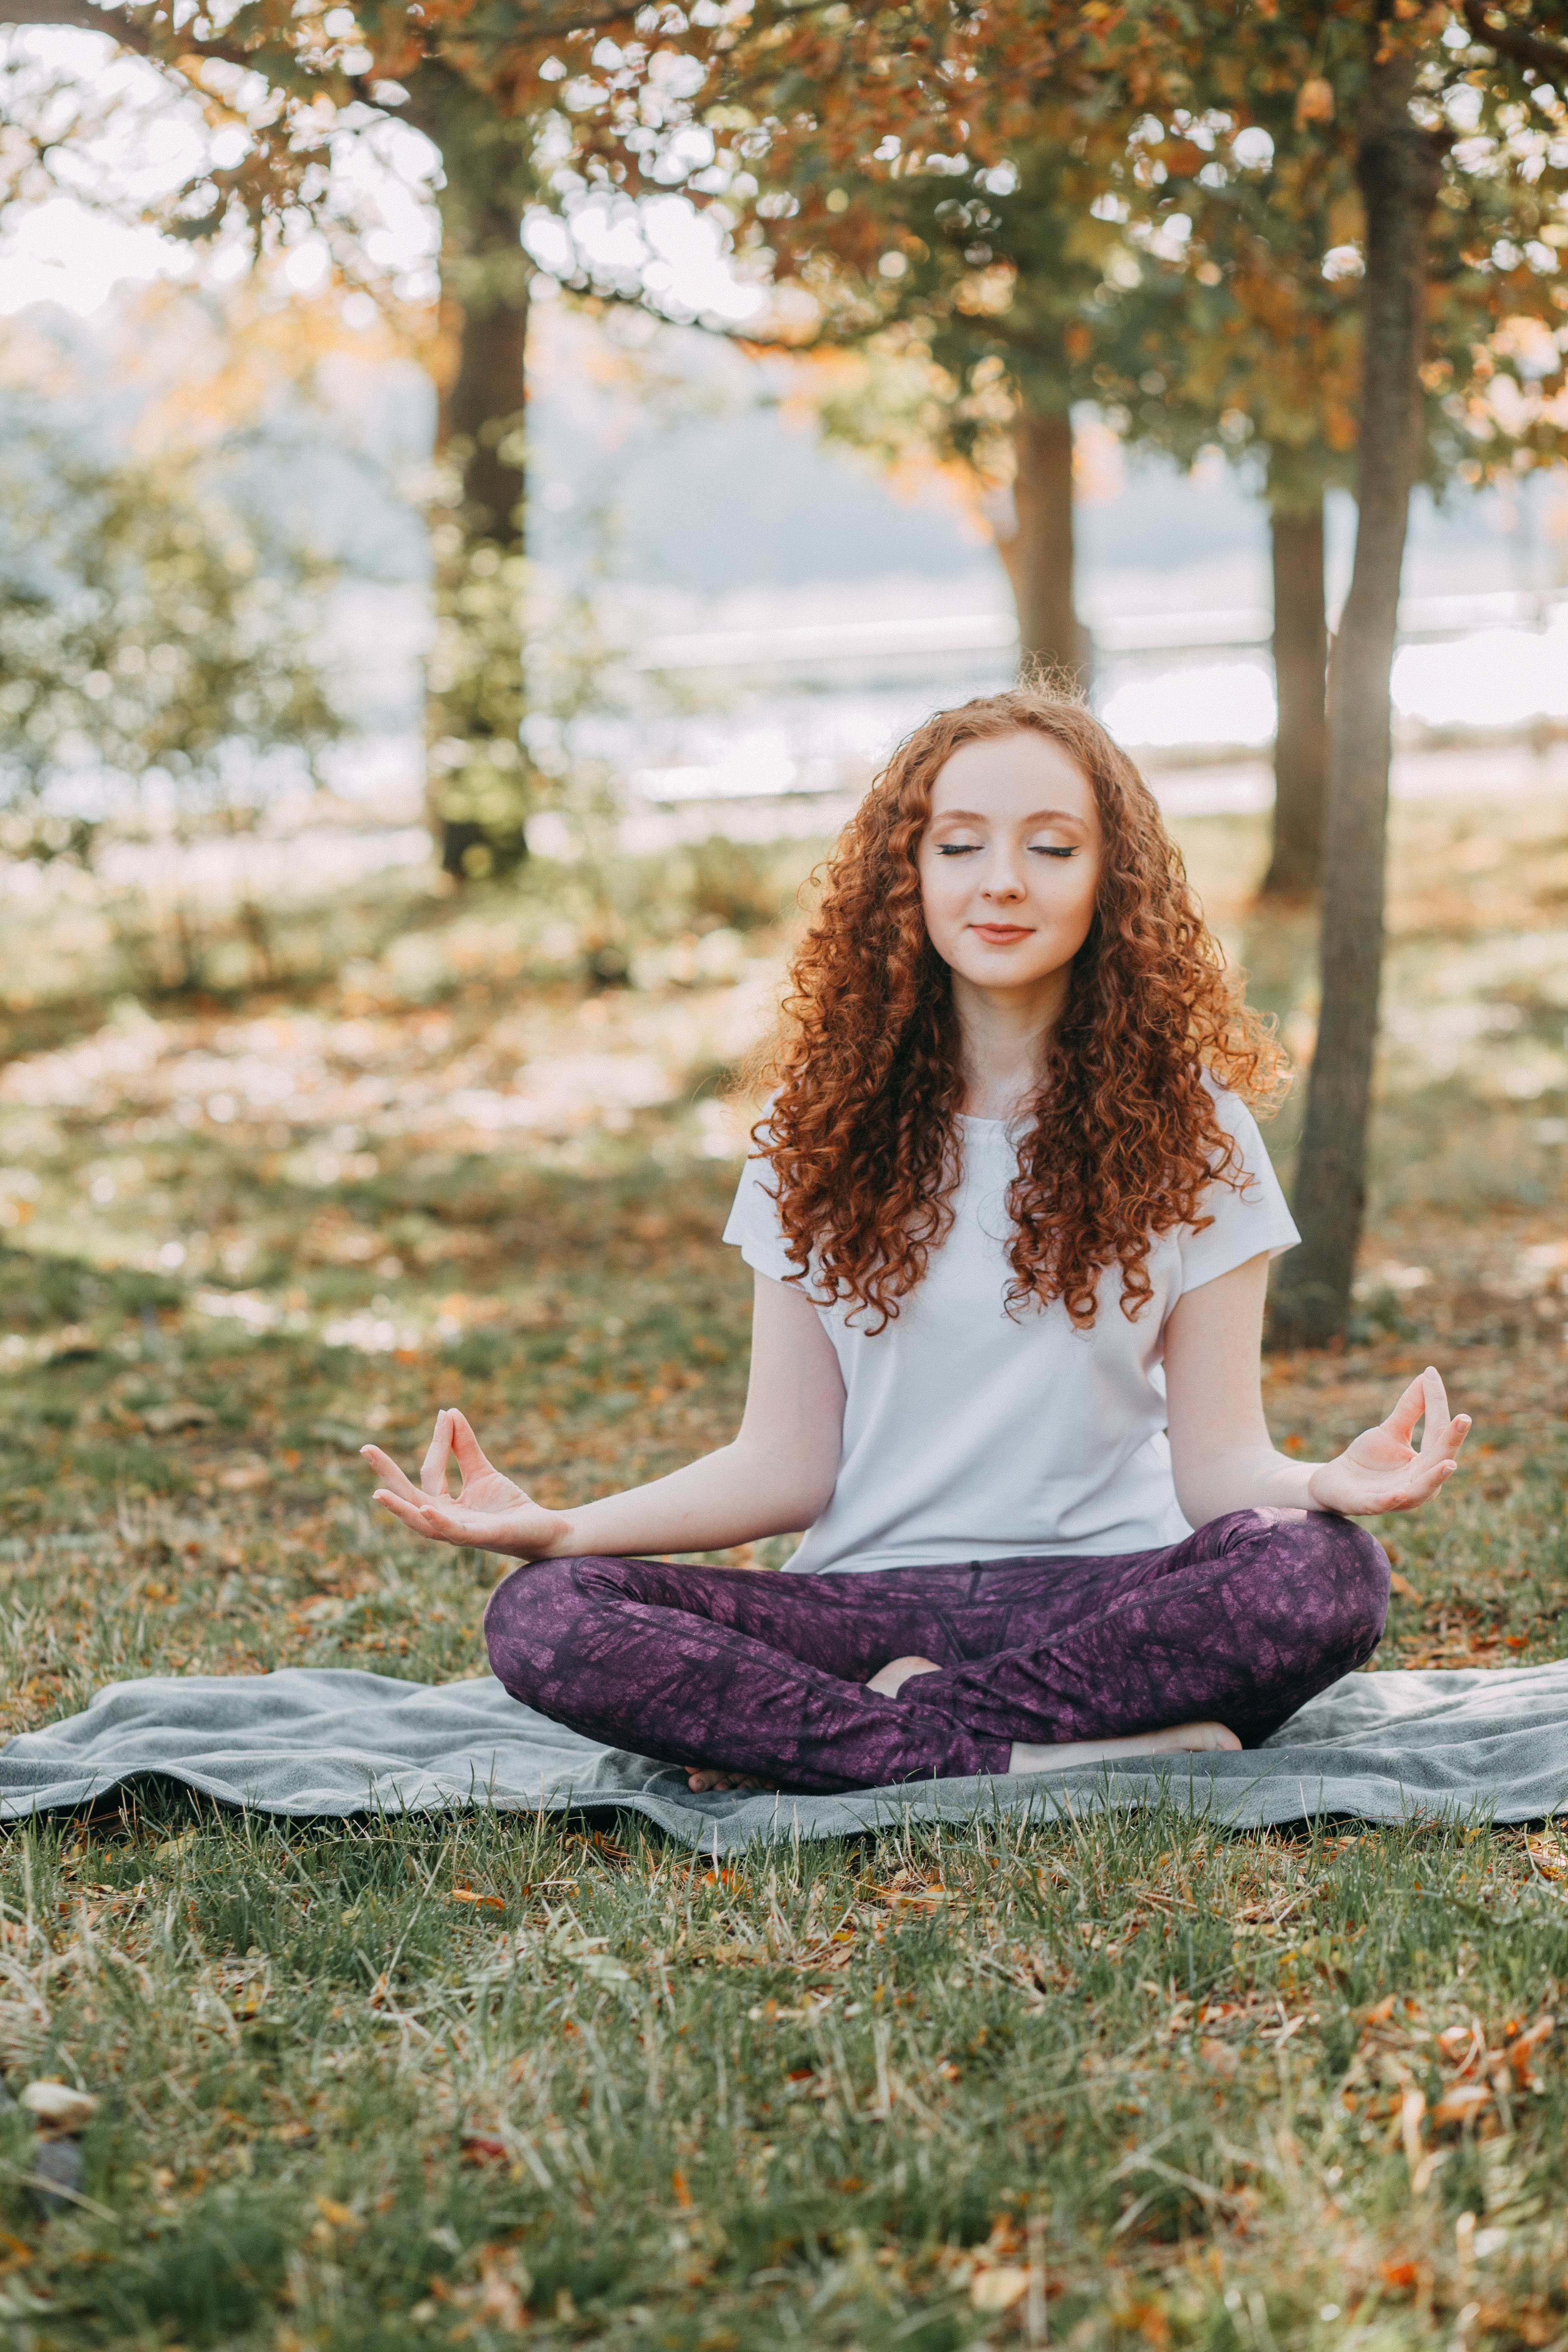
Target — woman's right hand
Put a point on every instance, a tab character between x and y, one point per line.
489	1512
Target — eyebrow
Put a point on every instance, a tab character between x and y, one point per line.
1037	816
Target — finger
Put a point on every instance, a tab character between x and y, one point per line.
433	1469
1425	1479
1402	1421
1449	1437
386	1467
445	1521
1434	1404
412	1513
470	1454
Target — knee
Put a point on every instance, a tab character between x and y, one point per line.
1343	1583
523	1618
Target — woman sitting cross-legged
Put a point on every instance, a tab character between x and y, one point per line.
1010	1220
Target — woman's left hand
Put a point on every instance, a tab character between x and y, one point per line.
1381	1470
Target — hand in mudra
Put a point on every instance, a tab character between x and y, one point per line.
489	1511
1381	1470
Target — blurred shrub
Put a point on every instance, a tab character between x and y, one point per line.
157	671
148	630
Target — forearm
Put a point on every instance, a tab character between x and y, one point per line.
733	1496
1252	1477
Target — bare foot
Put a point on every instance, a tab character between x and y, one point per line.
890	1679
1180	1739
707	1777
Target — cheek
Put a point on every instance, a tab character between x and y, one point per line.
943	887
1078	905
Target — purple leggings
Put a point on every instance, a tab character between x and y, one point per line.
1239	1624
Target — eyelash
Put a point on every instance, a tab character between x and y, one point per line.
970	849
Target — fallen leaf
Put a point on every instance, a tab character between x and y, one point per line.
1219	2058
682	2194
1519	2054
1397	2274
173	1848
341	2216
483	2148
1462	2104
999	2289
1403	1587
484	1901
162	1420
241	1477
58	2108
13	2252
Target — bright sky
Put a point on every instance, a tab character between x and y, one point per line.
67	249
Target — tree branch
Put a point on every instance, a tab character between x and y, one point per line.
1512	41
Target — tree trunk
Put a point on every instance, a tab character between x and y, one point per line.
486	285
1302	733
478	789
479	786
1039	554
1398	166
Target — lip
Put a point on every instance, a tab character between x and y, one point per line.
1001	935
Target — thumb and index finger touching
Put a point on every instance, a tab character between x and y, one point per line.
1427	1398
452	1437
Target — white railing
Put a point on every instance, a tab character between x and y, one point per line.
1423	620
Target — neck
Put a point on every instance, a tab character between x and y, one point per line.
1003	1035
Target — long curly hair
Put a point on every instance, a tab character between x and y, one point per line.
1122	1137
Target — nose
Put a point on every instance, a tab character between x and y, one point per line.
1003	884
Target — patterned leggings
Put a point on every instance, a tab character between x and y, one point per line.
1239	1624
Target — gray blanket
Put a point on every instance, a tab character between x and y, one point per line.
327	1740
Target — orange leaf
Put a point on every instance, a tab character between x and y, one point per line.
1462	2104
484	1901
682	2194
1397	2274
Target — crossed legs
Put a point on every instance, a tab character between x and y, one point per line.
767	1674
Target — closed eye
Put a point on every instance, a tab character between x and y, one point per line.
973	849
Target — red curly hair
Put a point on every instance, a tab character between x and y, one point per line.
1124	1136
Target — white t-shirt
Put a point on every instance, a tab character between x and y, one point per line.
971	1434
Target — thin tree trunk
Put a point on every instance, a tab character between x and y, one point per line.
1302	733
1039	554
1398	166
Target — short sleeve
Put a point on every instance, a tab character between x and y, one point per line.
753	1226
1249	1215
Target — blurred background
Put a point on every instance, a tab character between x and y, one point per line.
391	893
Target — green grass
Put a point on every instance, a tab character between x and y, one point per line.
1118	2083
836	2096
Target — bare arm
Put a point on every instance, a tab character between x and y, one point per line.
1221	1452
775	1476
